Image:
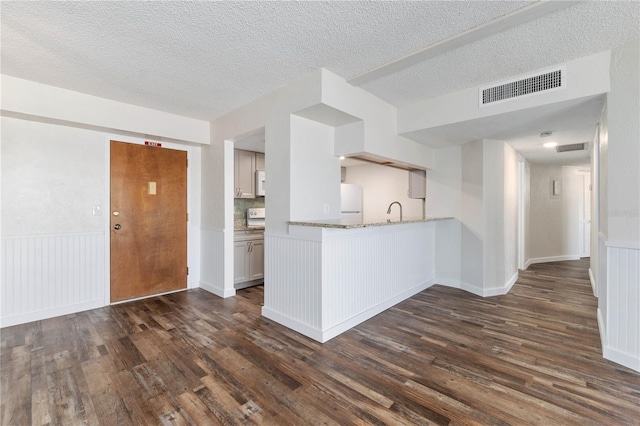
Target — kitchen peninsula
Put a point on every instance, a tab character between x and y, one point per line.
327	276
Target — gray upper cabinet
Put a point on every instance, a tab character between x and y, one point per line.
244	173
260	161
417	184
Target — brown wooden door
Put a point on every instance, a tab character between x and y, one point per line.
148	220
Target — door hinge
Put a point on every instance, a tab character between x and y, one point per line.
187	162
187	270
187	217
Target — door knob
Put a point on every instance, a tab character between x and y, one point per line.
118	226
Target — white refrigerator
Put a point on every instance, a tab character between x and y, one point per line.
351	202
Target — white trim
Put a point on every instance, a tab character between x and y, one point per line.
478	291
120	302
471	288
107	203
50	313
220	292
448	282
602	329
552	259
592	280
509	284
521	212
323	336
634	245
51	235
228	235
106	212
527	264
622	358
298	326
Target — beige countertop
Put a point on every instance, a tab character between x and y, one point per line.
351	224
248	228
241	225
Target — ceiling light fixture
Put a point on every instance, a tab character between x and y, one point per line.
550	144
342	157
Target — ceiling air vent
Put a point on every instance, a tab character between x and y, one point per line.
529	85
571	147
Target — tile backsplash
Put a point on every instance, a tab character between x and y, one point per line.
240	206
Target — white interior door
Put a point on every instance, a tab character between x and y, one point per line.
585	215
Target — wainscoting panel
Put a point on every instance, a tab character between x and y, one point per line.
212	262
293	274
321	282
193	258
49	275
369	269
623	310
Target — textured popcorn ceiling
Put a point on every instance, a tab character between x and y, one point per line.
580	30
204	59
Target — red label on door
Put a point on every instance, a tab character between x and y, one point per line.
158	144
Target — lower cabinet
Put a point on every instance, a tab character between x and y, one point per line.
248	261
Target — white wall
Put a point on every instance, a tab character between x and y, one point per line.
316	171
382	185
500	210
476	183
510	206
23	97
51	178
299	174
379	124
618	270
463	105
525	214
54	169
472	215
623	180
554	226
444	199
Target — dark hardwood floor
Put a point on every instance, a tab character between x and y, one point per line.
442	357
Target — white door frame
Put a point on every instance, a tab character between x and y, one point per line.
521	216
192	258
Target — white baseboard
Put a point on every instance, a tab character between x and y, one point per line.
622	358
220	292
527	264
448	282
601	328
471	288
50	313
300	327
478	291
592	280
323	336
509	284
551	259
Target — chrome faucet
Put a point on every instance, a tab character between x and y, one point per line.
399	205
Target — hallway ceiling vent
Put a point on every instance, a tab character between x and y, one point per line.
529	85
572	147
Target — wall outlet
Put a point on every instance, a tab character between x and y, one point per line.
326	208
97	210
